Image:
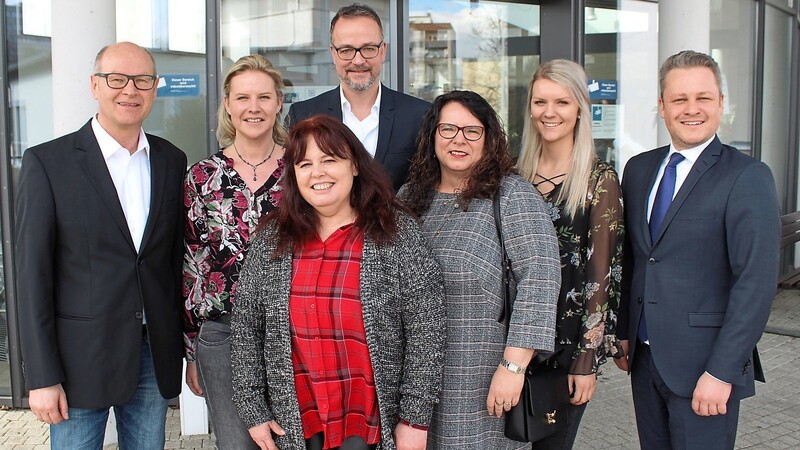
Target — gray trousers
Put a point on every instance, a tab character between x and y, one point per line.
213	356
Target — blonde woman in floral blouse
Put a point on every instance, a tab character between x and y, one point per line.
225	195
584	198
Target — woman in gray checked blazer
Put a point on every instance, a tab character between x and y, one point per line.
462	161
338	330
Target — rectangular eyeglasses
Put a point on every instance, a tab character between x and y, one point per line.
142	82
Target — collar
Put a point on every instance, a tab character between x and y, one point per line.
691	153
109	145
346	104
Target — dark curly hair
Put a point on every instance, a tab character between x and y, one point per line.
372	196
484	178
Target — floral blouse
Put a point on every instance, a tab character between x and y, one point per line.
221	213
590	245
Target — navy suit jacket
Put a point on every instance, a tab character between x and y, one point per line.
398	126
707	282
82	287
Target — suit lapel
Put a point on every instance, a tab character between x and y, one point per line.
91	159
644	195
385	123
334	103
707	159
158	182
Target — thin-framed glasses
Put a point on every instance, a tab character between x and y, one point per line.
367	51
470	132
120	80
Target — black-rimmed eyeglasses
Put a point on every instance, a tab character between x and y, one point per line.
120	80
470	132
367	51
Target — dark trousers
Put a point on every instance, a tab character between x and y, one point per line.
316	441
666	420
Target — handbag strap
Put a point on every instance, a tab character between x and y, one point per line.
505	315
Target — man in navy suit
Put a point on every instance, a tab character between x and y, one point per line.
386	121
701	262
99	248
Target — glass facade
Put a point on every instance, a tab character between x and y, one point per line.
295	37
622	65
775	124
491	47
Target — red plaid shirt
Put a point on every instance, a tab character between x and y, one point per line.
332	369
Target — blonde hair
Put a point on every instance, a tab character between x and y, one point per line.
576	183
226	133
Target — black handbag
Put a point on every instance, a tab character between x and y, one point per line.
543	403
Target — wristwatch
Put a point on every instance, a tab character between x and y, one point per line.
512	367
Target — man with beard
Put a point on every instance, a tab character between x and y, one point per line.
386	121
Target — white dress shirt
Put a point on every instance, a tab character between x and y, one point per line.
365	130
131	176
681	170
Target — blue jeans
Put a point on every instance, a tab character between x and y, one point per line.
213	353
140	421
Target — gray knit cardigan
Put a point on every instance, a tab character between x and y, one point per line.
402	300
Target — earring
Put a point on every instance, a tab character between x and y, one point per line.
579	117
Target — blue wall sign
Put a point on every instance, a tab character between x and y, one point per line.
603	89
179	85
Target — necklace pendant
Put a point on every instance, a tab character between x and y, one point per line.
254	175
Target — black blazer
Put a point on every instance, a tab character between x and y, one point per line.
82	286
708	280
398	126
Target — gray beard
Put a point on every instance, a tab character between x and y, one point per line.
359	87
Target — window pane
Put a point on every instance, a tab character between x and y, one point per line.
732	31
491	48
295	37
775	126
174	31
622	66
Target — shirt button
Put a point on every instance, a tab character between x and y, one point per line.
138	314
312	306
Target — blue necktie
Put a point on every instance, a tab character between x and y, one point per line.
666	189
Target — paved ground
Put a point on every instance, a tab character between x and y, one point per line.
768	421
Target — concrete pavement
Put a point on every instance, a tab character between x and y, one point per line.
768	421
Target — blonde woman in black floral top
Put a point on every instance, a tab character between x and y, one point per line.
585	203
225	196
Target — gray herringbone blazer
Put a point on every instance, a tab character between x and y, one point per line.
402	300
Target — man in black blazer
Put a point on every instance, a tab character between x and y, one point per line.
386	121
99	246
697	289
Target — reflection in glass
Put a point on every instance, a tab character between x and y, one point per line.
622	66
732	31
295	37
776	107
488	47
